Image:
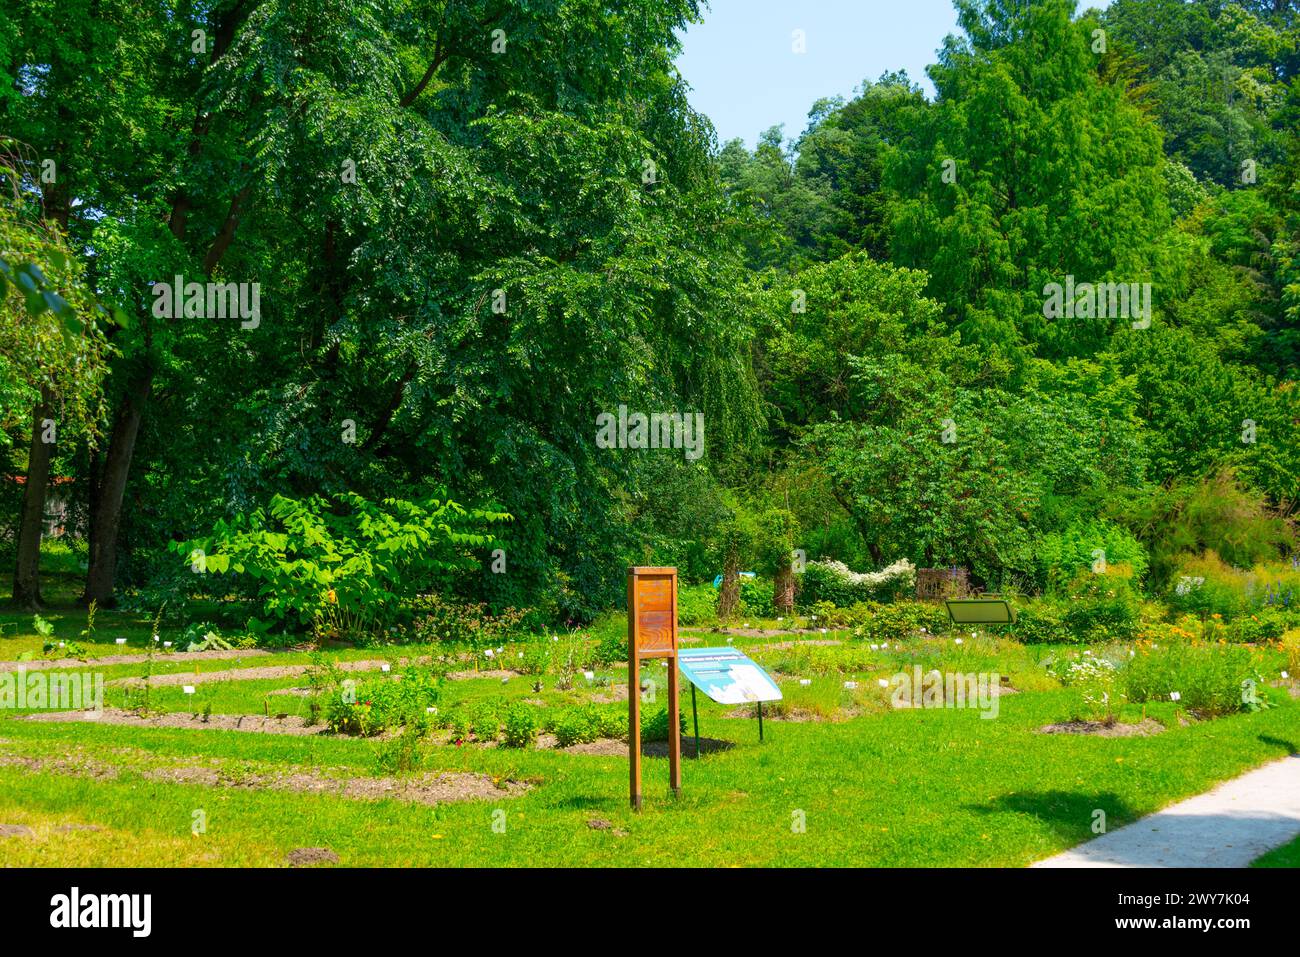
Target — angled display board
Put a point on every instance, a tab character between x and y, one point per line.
726	675
980	611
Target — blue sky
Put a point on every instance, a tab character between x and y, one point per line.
745	77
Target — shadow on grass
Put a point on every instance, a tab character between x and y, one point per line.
1068	813
1279	743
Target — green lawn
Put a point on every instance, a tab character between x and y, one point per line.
885	788
1288	855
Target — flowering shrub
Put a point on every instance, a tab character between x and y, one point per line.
1097	679
1267	624
835	582
1205	585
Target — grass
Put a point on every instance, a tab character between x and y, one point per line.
875	786
1288	855
887	788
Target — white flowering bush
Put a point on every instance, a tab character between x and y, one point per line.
834	582
1097	680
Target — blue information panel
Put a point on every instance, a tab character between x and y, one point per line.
726	675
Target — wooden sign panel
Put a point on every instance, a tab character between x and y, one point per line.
652	633
653	611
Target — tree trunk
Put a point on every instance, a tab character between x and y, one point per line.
729	594
106	513
27	571
783	590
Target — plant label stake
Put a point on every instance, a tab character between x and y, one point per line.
652	633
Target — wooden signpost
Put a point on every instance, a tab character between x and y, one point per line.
652	633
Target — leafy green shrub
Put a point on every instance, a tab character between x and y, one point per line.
1267	624
587	723
698	604
204	636
520	726
485	721
1042	622
756	596
1102	607
539	656
610	631
655	727
1208	679
576	726
1062	555
344	566
379	704
902	620
402	754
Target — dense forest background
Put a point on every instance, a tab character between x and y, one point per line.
479	224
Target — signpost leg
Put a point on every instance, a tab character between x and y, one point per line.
760	721
674	729
695	716
634	729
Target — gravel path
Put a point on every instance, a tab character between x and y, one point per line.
1229	826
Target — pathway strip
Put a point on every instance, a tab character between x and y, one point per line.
1228	826
267	672
43	663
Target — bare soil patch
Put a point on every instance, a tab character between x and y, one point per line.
218	655
610	694
428	788
1101	729
310	856
243	674
497	673
796	715
178	719
16	830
